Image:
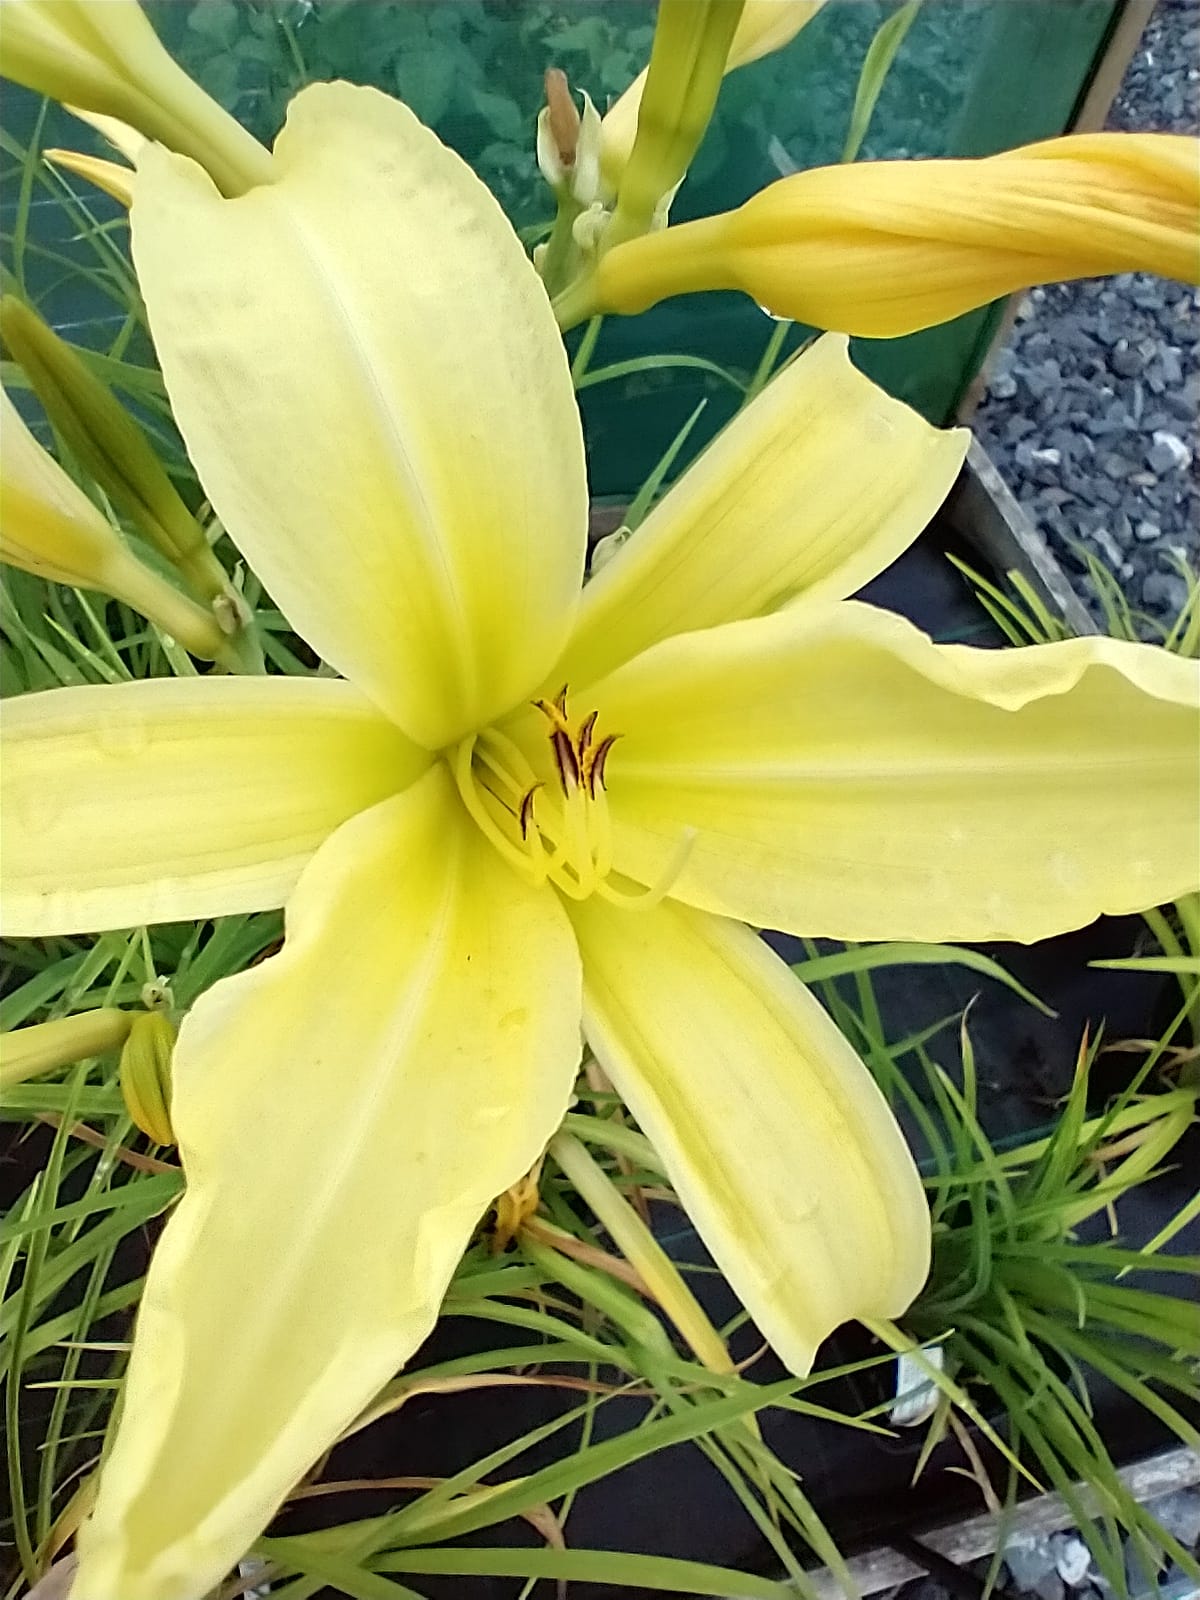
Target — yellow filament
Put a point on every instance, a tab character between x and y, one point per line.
647	899
513	756
468	788
601	829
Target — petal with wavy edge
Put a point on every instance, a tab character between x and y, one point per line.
847	777
177	798
780	504
780	1145
345	1112
372	387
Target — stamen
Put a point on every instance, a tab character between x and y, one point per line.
585	734
647	899
468	788
511	753
555	711
593	766
601	834
525	814
566	760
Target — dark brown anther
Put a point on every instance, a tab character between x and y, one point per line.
595	766
525	815
560	701
585	734
564	116
564	756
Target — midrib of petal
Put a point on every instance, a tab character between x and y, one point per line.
665	774
411	490
363	1110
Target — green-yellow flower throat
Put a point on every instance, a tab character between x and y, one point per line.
563	838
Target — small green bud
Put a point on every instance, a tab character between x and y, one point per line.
146	1074
48	526
109	445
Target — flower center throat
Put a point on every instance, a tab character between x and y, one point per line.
557	832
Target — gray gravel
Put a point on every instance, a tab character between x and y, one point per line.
1091	411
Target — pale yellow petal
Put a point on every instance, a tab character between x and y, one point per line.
179	798
776	1138
766	26
849	778
345	1112
370	383
124	139
882	248
814	488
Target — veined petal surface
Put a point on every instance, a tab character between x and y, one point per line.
174	798
372	387
345	1113
773	1132
814	488
847	777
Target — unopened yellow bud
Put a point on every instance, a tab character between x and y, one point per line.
109	445
45	1046
764	26
48	526
104	56
883	248
692	39
145	1074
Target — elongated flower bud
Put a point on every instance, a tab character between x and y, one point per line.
764	26
883	248
45	1046
48	526
687	61
104	56
109	445
145	1074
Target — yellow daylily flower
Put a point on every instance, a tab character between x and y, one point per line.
763	27
104	56
882	248
48	526
475	861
